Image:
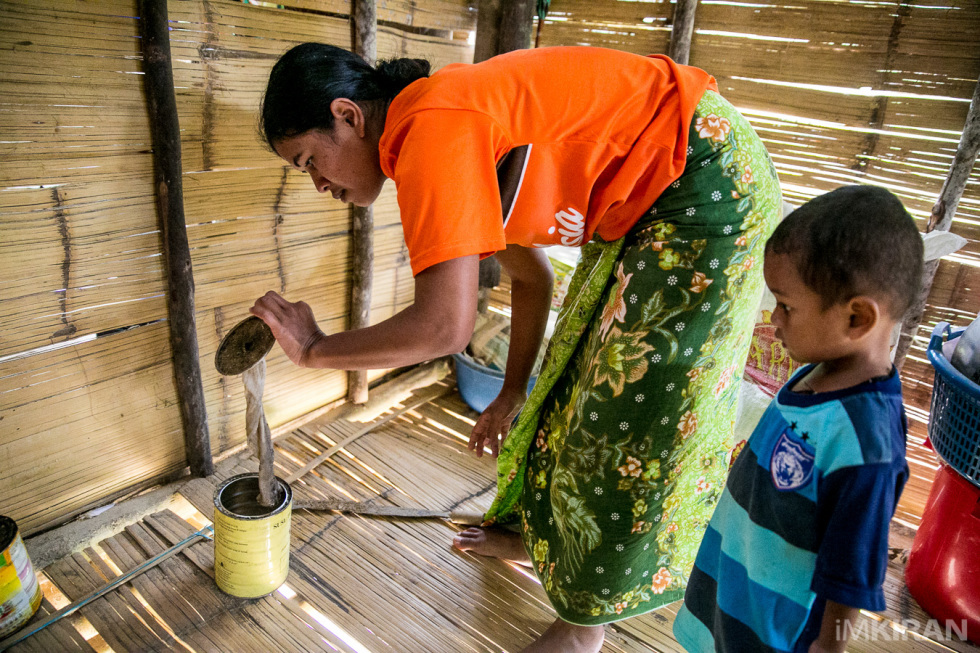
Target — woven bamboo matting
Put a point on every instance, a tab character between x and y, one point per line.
357	583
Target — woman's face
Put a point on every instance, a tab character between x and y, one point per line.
343	161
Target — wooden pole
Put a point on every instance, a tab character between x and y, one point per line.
942	218
364	42
501	26
162	104
966	155
487	30
682	31
486	46
516	25
362	265
364	29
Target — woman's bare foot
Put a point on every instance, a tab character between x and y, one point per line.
563	637
493	542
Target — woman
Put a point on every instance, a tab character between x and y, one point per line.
622	449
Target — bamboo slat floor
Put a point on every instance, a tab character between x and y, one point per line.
365	584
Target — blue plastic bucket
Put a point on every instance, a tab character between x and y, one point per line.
478	384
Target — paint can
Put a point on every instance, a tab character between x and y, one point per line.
251	541
20	593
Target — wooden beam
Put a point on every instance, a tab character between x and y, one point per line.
362	266
487	30
682	31
364	42
364	29
879	108
959	172
942	218
501	26
516	25
161	101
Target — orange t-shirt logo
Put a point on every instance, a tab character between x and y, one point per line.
571	226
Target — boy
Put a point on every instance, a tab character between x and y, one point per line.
798	541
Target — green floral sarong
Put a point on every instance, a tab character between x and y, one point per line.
618	458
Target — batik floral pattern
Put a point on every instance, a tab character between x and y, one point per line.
621	454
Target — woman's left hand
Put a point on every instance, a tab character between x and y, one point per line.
292	324
494	424
531	279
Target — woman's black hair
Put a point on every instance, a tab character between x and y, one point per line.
310	76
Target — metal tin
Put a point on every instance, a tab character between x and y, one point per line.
20	593
251	542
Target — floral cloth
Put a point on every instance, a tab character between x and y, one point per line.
618	458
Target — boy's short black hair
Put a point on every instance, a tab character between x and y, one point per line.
855	240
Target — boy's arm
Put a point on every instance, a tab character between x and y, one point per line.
838	622
855	507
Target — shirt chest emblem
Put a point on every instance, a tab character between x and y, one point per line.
571	226
791	465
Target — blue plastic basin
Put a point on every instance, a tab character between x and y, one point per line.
478	384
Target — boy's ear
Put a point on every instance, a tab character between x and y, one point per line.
864	313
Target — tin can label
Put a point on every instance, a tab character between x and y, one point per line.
251	556
20	593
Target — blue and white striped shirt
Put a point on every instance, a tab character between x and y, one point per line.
803	520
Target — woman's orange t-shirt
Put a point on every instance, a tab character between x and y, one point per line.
607	132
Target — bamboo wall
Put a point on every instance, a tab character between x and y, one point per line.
80	250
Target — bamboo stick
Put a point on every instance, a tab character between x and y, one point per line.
942	218
105	589
364	41
467	518
362	243
682	31
162	103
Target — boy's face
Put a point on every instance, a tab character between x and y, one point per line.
810	333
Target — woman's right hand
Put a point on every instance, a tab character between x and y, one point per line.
494	424
292	324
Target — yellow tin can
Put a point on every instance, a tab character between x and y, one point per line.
20	593
251	541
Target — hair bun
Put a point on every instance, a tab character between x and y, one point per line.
399	73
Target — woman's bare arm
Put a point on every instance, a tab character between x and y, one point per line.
532	282
439	322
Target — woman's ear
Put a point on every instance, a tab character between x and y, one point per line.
349	113
865	314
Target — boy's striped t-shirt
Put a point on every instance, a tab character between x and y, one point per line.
803	520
